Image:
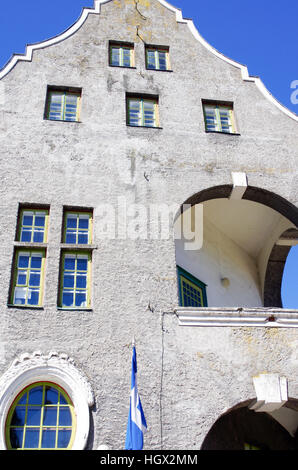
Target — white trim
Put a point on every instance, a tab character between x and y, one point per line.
54	367
179	18
253	317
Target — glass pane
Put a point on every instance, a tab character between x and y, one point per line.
50	416
35	396
69	263
67	299
84	221
16	438
51	396
36	261
68	280
82	264
26	235
126	57
71	237
38	235
34	279
64	416
23	261
83	238
82	281
28	219
18	418
115	56
31	438
63	439
71	221
33	415
22	278
162	58
151	60
81	300
20	296
33	296
48	440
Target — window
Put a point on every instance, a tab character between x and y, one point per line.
63	104
28	278
157	58
41	417
142	112
219	117
33	225
121	54
75	280
77	228
192	292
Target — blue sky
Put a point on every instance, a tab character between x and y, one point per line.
261	34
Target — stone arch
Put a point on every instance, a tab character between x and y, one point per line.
275	255
241	427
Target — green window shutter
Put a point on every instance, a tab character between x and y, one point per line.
192	292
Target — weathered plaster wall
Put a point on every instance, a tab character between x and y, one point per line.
99	160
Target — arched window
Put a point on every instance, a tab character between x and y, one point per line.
41	417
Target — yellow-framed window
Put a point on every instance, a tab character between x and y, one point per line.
33	225
77	228
41	417
28	278
157	58
121	55
75	280
63	105
142	112
219	118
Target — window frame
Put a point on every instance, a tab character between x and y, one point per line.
87	290
66	91
14	276
143	99
41	427
122	45
156	50
35	210
217	106
181	273
78	212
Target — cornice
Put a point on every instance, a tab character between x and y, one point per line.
179	18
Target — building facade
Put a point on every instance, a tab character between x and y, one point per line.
149	191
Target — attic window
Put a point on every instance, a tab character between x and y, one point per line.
219	117
157	58
63	104
121	54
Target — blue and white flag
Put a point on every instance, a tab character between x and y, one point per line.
136	424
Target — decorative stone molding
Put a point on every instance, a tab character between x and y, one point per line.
179	18
271	391
265	317
54	367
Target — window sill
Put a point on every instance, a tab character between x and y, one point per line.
78	247
62	120
143	127
75	309
160	70
30	244
26	307
122	67
221	132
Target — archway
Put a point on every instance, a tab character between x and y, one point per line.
246	241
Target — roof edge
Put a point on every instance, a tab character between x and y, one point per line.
30	48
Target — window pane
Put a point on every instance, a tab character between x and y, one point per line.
35	396
126	57
26	235
20	295
16	438
50	416
23	261
151	63
18	418
67	299
84	221
69	262
36	261
33	296
83	238
48	440
51	396
115	56
33	415
32	438
82	264
68	280
162	59
63	439
81	300
64	416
